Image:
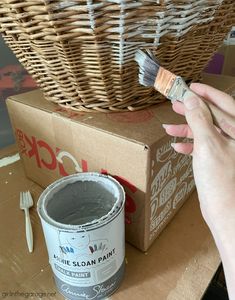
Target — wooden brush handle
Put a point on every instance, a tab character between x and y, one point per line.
221	119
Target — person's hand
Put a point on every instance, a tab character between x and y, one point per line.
213	153
213	166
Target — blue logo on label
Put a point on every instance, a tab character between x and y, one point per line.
66	249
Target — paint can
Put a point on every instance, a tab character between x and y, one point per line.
82	217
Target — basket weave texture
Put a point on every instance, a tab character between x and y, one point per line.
81	52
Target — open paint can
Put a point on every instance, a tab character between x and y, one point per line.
82	217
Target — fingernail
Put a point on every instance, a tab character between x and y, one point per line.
173	145
191	103
164	126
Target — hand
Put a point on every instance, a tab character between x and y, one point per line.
213	166
213	153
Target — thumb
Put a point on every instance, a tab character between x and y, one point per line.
199	118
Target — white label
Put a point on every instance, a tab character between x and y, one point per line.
86	258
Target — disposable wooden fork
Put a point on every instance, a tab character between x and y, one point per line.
26	201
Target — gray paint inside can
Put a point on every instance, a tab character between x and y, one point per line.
86	201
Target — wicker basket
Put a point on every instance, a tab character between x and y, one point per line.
81	52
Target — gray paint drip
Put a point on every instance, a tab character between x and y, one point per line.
82	217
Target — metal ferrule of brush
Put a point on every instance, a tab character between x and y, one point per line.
178	89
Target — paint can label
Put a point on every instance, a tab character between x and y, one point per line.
87	261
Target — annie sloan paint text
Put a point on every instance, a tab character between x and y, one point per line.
92	262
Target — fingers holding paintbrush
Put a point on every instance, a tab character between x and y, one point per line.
211	95
173	87
182	130
224	111
220	99
179	130
199	127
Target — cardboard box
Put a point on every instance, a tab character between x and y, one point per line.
221	82
131	146
223	61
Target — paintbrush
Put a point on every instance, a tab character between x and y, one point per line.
173	87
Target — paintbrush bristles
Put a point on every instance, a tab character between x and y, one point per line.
148	67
